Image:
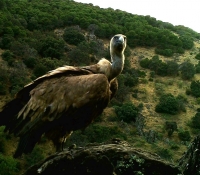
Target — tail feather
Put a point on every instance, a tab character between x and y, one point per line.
9	110
26	144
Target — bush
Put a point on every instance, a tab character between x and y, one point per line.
40	70
145	63
127	112
197	56
197	67
152	74
187	70
130	80
73	36
187	42
184	135
51	47
2	89
195	88
195	121
8	165
172	68
168	104
182	100
170	127
35	156
98	133
8	56
30	62
164	153
165	52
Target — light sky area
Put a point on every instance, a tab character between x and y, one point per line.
176	12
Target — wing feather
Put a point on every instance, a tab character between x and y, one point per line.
66	95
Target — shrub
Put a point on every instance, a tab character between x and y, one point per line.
2	89
162	69
8	165
30	62
187	42
187	70
170	127
8	56
73	36
98	133
127	112
2	140
182	100
195	121
152	74
172	68
168	104
197	67
130	80
165	52
195	88
184	135
174	147
164	153
51	47
39	70
35	156
145	63
197	56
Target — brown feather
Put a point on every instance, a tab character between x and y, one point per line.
64	100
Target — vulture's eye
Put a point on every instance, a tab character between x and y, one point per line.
116	37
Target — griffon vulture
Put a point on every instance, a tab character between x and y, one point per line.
63	100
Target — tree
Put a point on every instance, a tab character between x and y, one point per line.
187	42
162	69
52	47
172	68
73	36
197	67
195	121
8	56
187	70
195	88
145	63
155	63
127	112
197	56
168	104
92	28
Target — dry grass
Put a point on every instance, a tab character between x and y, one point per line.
148	95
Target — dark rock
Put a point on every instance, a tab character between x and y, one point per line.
103	159
190	161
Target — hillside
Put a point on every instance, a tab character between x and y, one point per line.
49	34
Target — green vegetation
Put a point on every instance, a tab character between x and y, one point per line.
127	112
184	135
159	67
73	35
164	153
169	104
195	88
195	121
49	34
197	56
187	70
35	156
8	165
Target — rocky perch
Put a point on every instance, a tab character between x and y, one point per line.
115	158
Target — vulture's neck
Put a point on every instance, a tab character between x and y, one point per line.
117	65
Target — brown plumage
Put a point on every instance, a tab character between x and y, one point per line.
64	100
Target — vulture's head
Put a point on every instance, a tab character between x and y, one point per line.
117	44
